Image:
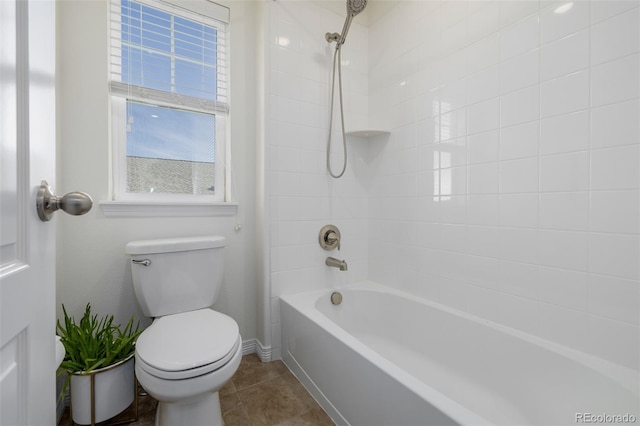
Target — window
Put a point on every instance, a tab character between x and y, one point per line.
169	101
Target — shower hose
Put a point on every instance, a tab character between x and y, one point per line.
336	62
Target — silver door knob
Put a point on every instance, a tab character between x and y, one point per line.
47	202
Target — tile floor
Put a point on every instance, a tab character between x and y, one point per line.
259	394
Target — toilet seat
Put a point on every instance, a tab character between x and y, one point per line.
192	372
188	344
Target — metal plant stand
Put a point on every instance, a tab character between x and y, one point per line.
92	378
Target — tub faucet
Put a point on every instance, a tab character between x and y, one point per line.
335	263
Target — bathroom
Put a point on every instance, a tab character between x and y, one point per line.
503	183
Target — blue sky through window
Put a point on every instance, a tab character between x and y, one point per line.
176	55
170	134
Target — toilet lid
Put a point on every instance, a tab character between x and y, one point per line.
187	340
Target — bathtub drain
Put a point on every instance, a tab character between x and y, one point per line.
336	298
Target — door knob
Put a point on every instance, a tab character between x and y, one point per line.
75	203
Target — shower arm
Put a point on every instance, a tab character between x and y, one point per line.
340	38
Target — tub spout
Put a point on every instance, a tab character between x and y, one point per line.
335	263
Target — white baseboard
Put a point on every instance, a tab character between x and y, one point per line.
248	347
254	346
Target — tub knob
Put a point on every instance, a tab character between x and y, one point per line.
329	237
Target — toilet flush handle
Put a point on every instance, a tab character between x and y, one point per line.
145	262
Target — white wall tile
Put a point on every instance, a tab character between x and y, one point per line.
453	210
453	95
615	211
601	10
520	71
453	124
565	172
453	66
614	298
520	106
483	147
564	56
565	94
483	54
453	152
482	241
565	211
512	11
454	37
614	255
519	175
518	244
521	313
296	208
501	98
519	210
564	249
566	326
483	21
519	141
453	181
428	131
484	116
615	341
615	124
615	81
557	25
482	210
296	160
483	85
484	178
615	168
520	37
616	37
564	288
564	133
516	278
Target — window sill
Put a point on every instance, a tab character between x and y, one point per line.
166	209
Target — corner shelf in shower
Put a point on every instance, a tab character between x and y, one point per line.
368	133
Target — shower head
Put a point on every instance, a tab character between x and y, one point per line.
354	7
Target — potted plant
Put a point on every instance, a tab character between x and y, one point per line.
99	360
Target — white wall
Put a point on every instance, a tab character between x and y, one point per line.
509	187
91	264
301	196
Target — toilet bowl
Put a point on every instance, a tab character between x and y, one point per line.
182	360
190	351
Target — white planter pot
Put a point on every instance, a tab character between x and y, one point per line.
114	390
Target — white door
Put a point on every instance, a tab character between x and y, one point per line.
27	245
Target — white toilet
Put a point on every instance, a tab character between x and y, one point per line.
189	351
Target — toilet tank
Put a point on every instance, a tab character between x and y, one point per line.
175	275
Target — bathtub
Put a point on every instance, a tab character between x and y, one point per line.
382	357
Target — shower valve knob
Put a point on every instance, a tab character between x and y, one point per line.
329	237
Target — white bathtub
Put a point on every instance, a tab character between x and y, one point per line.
384	358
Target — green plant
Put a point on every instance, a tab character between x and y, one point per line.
95	343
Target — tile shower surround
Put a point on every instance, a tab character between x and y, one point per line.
509	187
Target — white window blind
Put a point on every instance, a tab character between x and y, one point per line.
166	55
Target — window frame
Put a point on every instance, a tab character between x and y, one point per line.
118	138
